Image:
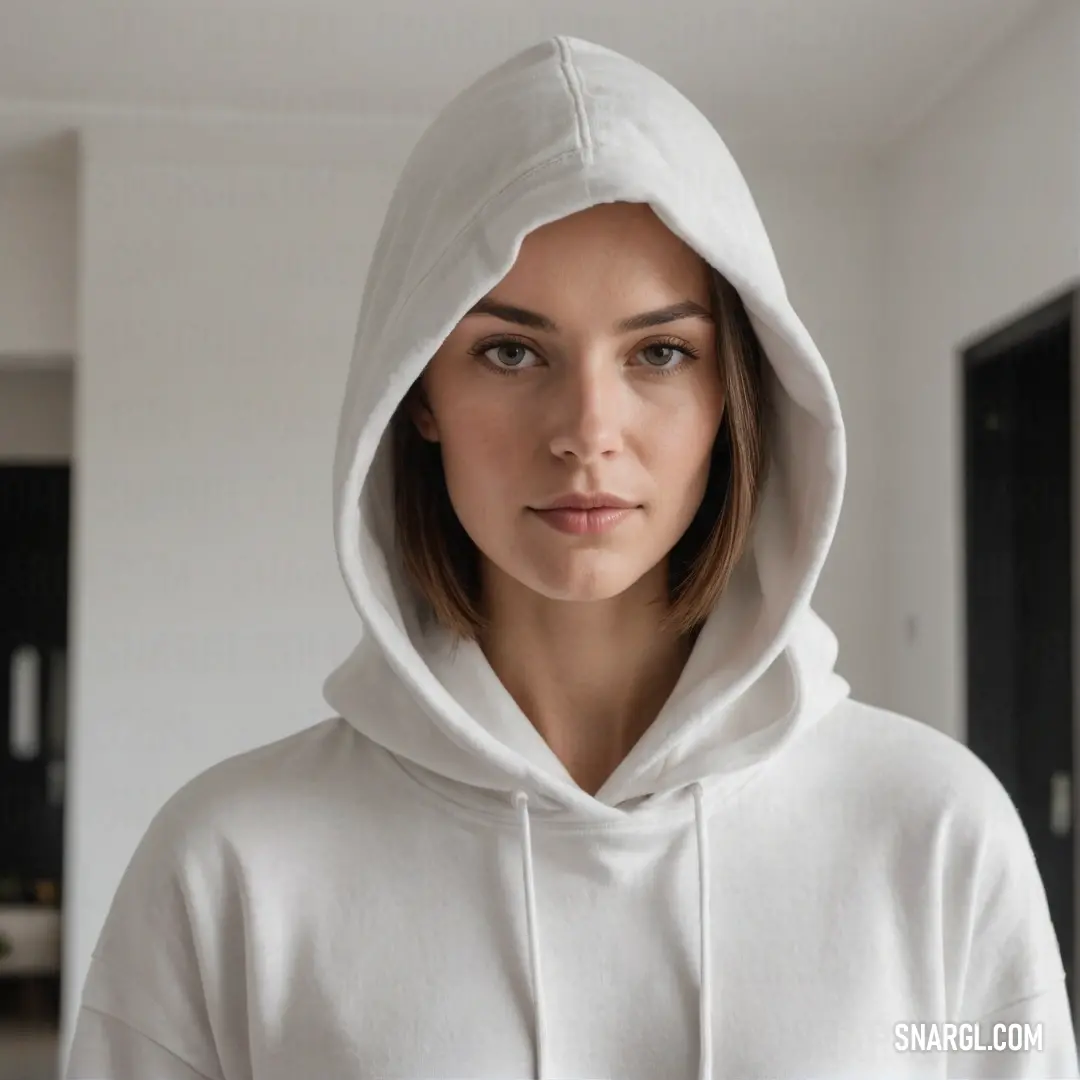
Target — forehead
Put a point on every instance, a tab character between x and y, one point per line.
608	253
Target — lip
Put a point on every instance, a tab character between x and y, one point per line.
597	500
590	521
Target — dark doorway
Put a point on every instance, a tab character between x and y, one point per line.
1018	480
34	548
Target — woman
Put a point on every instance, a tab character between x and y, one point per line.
596	802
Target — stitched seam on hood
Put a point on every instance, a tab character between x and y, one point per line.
572	79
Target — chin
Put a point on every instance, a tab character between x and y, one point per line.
583	594
579	583
587	574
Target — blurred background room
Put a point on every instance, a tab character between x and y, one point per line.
189	196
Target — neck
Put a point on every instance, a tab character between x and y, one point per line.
591	676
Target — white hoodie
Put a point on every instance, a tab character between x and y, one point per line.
772	881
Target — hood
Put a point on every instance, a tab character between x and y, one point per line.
562	126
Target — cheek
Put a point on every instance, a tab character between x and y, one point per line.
480	454
681	447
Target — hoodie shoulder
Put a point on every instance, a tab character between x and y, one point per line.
952	820
304	759
925	776
173	938
913	758
181	882
237	799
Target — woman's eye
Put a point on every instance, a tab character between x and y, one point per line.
662	355
509	354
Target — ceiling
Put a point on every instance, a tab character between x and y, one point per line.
853	72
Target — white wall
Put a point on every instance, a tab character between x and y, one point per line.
219	281
982	221
35	415
37	258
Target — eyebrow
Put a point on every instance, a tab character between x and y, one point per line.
684	309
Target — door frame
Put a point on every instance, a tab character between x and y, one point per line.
1062	307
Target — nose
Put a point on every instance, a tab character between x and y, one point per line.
588	410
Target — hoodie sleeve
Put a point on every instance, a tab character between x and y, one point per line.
1009	957
144	1011
104	1047
1050	1055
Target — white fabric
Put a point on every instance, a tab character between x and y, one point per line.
521	801
772	879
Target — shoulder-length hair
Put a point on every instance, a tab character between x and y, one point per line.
443	563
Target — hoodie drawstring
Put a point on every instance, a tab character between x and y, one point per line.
705	1011
521	801
705	1052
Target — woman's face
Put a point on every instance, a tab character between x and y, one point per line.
545	393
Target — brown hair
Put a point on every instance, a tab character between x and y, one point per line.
442	561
